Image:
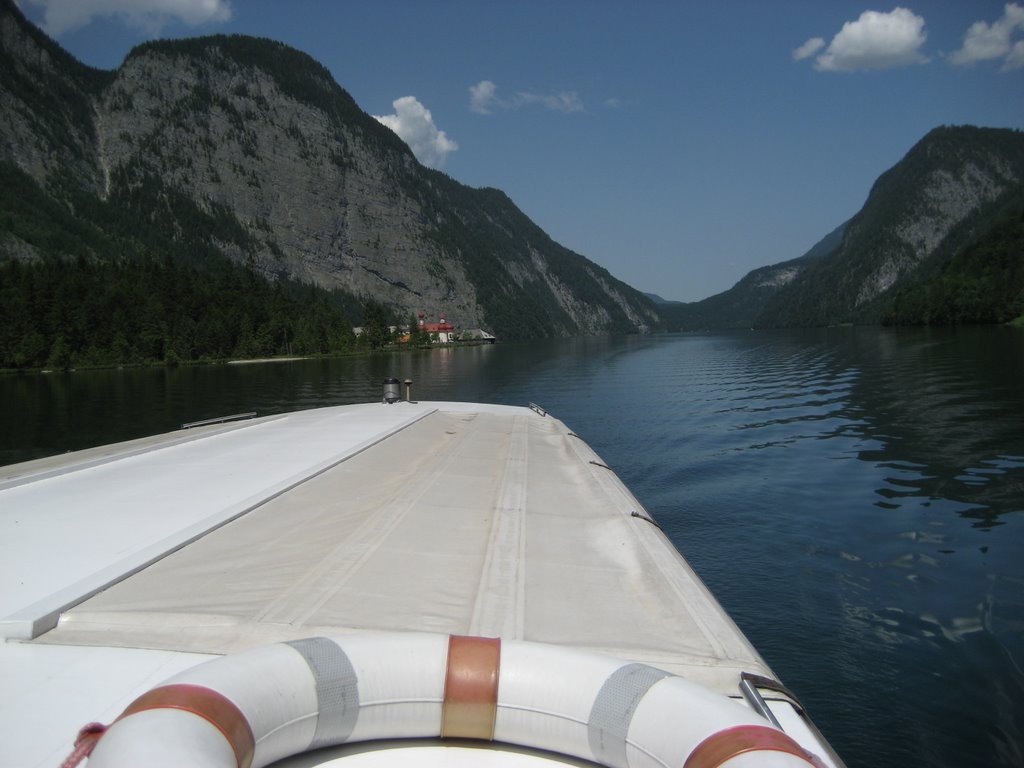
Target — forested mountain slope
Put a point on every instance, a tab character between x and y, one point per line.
980	283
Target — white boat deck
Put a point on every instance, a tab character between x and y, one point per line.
124	565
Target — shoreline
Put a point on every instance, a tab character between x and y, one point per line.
266	360
392	349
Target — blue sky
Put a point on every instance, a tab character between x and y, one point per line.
677	144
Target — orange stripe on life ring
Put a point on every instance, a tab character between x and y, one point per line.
730	742
471	687
213	707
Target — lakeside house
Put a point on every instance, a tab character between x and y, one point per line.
444	330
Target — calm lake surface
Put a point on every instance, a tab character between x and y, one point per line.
854	497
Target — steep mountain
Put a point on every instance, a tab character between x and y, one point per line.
948	193
938	241
741	305
245	149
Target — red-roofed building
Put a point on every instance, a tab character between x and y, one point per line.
445	331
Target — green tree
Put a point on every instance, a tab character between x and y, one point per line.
376	324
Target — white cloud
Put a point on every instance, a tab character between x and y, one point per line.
484	100
415	126
984	42
563	101
808	49
874	41
61	16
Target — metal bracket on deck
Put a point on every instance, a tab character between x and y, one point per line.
646	519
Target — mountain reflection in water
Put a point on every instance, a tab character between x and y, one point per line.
853	497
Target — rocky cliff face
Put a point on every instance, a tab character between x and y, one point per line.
947	194
321	199
298	181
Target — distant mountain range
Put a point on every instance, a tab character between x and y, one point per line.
937	241
221	153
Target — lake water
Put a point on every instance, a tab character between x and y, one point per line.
854	497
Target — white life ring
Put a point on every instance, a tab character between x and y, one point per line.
249	709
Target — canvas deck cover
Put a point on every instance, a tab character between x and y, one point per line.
483	520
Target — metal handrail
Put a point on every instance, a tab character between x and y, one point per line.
219	420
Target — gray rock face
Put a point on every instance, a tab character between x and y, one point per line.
946	197
315	199
317	205
46	113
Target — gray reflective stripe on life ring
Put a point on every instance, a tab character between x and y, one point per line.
337	689
613	711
